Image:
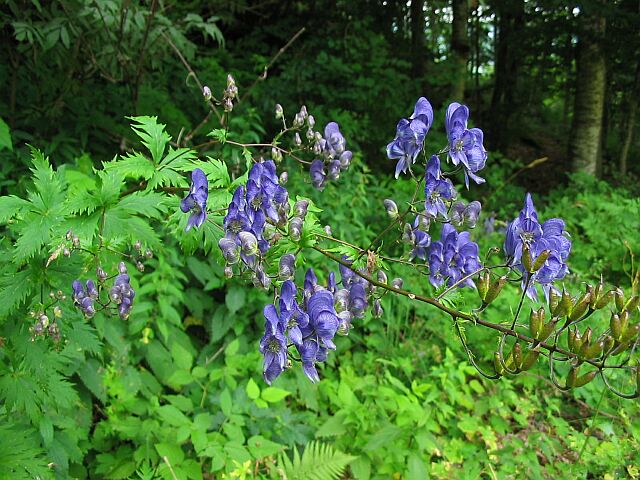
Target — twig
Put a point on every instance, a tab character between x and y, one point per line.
263	76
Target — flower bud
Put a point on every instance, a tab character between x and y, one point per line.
391	207
206	93
101	274
69	235
66	252
377	308
57	312
137	245
382	277
311	121
44	320
228	271
297	140
92	291
276	155
345	159
344	323
140	266
286	267
333	170
397	283
279	111
327	230
229	250
122	268
298	120
248	243
284	178
76	241
295	228
303	112
310	135
300	208
148	253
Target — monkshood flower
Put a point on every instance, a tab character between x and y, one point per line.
84	296
122	294
323	320
465	145
462	215
296	318
273	344
196	200
357	290
418	239
410	134
437	189
550	236
335	157
453	257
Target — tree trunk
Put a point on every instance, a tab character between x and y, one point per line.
509	37
459	48
586	128
632	110
418	50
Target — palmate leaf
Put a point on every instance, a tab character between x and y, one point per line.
14	288
152	135
132	165
318	462
147	204
11	206
21	458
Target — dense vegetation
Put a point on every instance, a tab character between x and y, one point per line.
159	373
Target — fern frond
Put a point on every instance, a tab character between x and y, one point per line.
319	461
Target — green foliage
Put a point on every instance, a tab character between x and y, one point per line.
318	462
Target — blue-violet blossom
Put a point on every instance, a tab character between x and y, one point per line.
196	200
465	145
453	257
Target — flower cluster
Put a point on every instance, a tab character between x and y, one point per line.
453	257
465	145
84	296
437	189
196	201
529	242
419	239
351	299
335	158
121	293
247	223
462	215
309	326
410	134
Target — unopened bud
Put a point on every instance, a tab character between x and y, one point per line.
101	274
228	271
137	245
300	208
279	111
66	252
397	283
69	235
122	268
311	121
295	228
140	266
286	268
227	105
230	251
52	295
297	140
230	80
377	308
148	253
44	320
310	134
391	207
57	312
344	323
382	277
327	230
276	155
284	178
206	93
248	243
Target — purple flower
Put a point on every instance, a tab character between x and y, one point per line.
296	318
318	174
84	297
465	145
323	321
410	135
336	158
453	257
122	294
465	215
436	189
196	200
551	236
273	344
418	239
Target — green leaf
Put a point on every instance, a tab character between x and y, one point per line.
152	135
5	136
10	206
220	134
182	356
253	390
172	416
260	447
274	394
225	402
235	298
133	165
173	452
46	430
14	288
318	462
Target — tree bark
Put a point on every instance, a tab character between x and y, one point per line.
509	37
586	128
459	48
632	110
418	40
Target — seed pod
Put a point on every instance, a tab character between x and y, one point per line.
582	380
527	261
554	299
609	343
483	284
547	330
517	355
631	333
495	289
539	262
624	320
535	323
564	307
580	307
592	350
571	377
571	340
616	326
577	341
632	304
604	300
530	359
618	296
